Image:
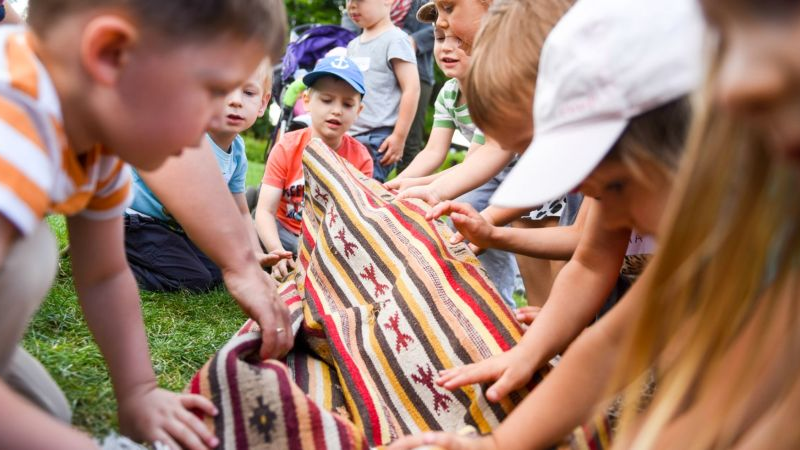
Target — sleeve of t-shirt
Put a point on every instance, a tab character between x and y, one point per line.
441	116
237	182
26	174
478	137
114	192
400	48
277	168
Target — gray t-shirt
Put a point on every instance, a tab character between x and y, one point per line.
382	100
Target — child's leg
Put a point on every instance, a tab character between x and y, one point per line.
162	260
289	240
373	140
416	140
25	278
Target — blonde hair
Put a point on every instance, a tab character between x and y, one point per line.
718	287
505	59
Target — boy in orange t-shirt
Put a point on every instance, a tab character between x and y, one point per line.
333	99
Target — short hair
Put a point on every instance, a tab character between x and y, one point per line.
181	20
505	58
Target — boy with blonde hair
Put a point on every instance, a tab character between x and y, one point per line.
93	86
385	55
161	254
333	100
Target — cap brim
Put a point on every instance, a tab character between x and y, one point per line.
556	162
312	78
427	13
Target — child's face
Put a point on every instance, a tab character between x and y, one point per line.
627	201
461	18
366	13
759	76
167	97
450	57
333	105
244	104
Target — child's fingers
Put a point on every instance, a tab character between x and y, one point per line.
198	402
440	210
503	386
457	238
527	314
392	184
184	435
199	428
471	374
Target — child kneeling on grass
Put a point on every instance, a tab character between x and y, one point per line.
333	100
161	255
91	87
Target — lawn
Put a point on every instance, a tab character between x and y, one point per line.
184	330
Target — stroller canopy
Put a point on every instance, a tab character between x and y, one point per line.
311	46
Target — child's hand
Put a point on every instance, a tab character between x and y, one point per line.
527	314
401	184
470	224
272	258
510	370
449	441
392	149
283	268
425	193
160	415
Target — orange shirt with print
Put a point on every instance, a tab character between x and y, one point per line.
284	171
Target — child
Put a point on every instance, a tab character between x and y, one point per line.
85	91
452	113
484	169
622	151
161	254
383	52
333	100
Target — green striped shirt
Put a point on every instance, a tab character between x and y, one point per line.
448	115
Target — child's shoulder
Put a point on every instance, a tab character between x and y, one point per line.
293	141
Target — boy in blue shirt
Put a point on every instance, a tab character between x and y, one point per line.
160	254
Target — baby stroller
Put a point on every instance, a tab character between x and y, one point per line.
307	44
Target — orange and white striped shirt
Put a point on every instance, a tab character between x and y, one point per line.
39	172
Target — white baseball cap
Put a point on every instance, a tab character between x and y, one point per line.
604	63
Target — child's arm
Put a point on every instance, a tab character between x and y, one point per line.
431	157
576	385
265	259
557	243
267	228
578	293
210	218
110	302
408	79
476	170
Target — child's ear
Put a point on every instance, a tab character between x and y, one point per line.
106	47
360	108
264	104
306	99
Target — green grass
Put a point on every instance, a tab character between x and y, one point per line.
183	329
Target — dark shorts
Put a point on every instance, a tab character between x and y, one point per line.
164	259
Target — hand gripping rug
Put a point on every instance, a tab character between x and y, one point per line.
380	302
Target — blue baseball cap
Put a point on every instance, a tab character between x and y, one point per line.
340	67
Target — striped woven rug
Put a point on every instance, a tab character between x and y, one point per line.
380	302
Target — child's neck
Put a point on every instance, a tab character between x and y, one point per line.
460	100
333	143
223	140
377	28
